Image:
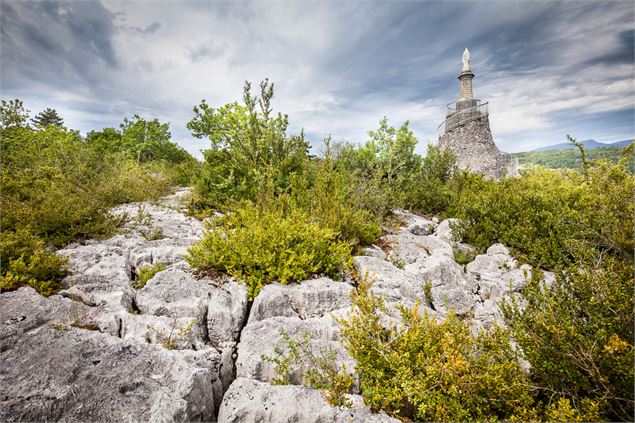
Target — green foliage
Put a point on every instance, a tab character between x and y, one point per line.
434	189
146	273
300	362
578	336
13	114
25	261
462	257
325	191
426	370
383	168
57	188
545	215
249	147
570	159
181	336
148	143
260	246
47	117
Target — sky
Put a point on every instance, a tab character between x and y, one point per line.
546	68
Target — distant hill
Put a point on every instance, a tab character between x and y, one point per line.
587	144
568	158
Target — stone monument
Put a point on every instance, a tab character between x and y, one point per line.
467	134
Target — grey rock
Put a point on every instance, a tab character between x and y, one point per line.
252	401
56	372
458	299
444	230
262	337
375	251
439	270
390	282
497	249
227	308
176	293
311	298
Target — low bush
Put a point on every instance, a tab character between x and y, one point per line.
300	362
25	261
258	246
145	273
545	215
57	187
577	334
429	370
249	147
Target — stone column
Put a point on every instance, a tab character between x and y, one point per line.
466	85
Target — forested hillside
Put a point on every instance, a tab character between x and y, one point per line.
276	213
570	159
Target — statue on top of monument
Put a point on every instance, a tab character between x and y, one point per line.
466	61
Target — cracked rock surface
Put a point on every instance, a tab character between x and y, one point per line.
186	347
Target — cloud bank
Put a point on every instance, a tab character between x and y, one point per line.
546	68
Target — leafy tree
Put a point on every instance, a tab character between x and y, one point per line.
13	114
148	140
249	146
47	117
383	167
108	140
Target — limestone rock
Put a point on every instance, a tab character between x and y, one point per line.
175	293
375	251
227	308
390	282
417	225
311	298
444	230
56	372
252	401
262	337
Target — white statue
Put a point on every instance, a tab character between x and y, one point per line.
466	60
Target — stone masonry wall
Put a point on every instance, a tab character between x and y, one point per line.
474	148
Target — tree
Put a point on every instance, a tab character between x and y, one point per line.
47	117
13	114
149	140
108	140
249	148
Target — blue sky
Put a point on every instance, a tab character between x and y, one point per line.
546	68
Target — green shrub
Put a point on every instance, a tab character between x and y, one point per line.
57	187
324	191
260	246
25	261
578	336
315	367
146	273
249	147
545	215
426	370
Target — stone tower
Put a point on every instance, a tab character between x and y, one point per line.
467	134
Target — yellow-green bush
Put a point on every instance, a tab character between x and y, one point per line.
578	336
429	370
545	215
315	366
56	188
145	273
25	261
258	246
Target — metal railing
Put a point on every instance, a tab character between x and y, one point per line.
458	116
